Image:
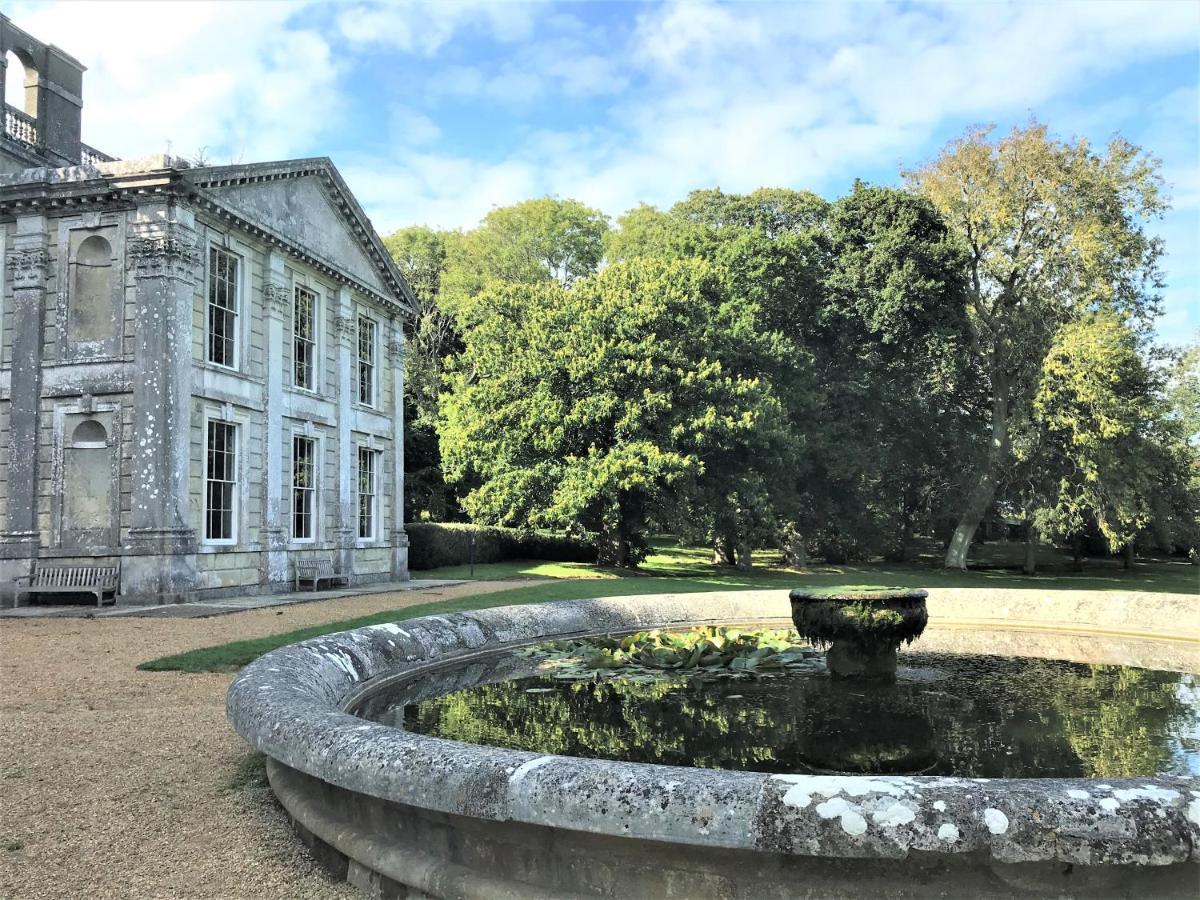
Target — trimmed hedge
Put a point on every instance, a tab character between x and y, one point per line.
432	545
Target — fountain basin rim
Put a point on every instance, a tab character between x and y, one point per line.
289	704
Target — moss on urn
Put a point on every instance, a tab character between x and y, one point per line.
862	629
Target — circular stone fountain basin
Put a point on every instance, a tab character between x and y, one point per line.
393	811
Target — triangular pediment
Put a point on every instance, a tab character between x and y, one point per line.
300	209
306	204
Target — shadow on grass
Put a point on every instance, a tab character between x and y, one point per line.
676	570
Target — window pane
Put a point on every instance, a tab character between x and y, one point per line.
366	361
220	481
303	488
222	307
366	492
304	329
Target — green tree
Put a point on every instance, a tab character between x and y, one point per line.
1103	427
421	255
1051	231
538	240
899	398
765	252
592	405
1175	524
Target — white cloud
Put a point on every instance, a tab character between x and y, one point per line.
425	26
673	98
239	79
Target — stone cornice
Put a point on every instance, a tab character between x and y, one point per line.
125	183
339	193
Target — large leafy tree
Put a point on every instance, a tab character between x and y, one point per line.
767	257
544	239
898	385
1098	408
1051	230
1106	453
598	404
421	255
1176	519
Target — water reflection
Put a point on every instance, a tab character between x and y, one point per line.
967	715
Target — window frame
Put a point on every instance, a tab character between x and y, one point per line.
214	248
313	489
235	485
314	340
372	365
363	451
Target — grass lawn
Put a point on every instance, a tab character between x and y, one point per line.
674	569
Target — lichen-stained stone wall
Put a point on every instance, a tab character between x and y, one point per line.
365	789
104	315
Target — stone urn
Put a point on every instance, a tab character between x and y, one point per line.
861	629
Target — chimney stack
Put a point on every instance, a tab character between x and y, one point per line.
53	97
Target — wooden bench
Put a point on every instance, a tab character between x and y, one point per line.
47	579
316	571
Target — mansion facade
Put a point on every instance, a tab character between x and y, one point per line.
201	367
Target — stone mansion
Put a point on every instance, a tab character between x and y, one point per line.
201	367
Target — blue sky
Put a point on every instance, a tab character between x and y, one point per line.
437	112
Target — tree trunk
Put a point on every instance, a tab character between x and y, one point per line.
723	551
1077	552
794	553
1031	539
984	492
978	501
1127	562
742	556
613	543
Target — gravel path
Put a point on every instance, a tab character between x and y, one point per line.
120	783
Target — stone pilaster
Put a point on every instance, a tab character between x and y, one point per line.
27	265
160	548
399	538
277	309
347	519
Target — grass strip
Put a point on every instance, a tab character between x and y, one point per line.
232	656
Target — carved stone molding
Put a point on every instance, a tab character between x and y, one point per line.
164	256
28	266
397	350
277	299
343	330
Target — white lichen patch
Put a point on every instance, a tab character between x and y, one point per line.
803	787
995	820
948	832
1108	804
343	662
515	779
852	820
1078	795
1149	792
896	814
1193	811
939	805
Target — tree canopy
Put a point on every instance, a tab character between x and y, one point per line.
1051	231
833	378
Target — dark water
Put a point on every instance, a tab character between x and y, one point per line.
972	716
